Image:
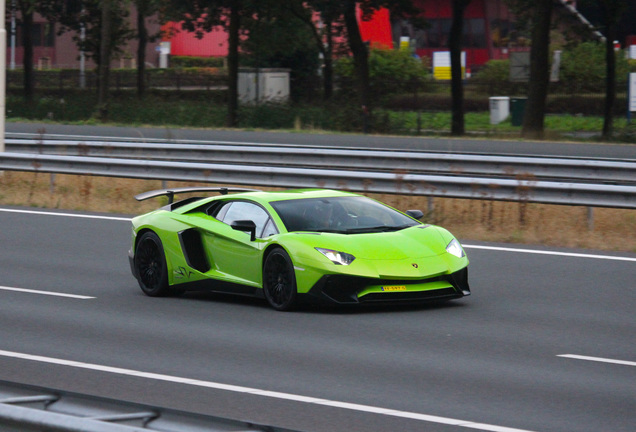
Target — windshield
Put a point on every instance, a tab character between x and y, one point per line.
348	215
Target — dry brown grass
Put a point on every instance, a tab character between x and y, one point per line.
552	225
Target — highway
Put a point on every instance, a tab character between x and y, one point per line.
544	344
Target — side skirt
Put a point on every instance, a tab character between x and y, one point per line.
222	287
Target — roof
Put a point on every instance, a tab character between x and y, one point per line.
296	194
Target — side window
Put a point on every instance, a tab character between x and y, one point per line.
242	210
218	209
270	229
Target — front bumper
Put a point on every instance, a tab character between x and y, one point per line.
356	290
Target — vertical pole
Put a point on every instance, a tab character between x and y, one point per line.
82	77
3	70
631	83
12	64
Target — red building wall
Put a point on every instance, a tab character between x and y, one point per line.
184	43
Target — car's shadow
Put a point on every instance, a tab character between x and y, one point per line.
316	307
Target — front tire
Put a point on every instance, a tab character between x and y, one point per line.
279	280
150	264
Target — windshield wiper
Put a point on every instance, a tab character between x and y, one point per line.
379	228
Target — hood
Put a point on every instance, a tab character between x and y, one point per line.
415	242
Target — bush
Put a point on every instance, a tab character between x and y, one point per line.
494	79
390	71
583	68
197	62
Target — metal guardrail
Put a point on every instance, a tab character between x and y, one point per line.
28	408
476	165
451	186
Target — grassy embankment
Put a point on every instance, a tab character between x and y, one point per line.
550	225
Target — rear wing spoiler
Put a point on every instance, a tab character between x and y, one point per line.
170	193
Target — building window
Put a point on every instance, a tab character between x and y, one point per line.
43	35
438	31
475	33
504	34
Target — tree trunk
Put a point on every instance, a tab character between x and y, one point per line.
142	35
327	73
232	65
611	17
360	55
457	87
27	41
104	62
533	119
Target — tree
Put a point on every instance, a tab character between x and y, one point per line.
360	53
611	11
106	30
278	39
27	9
323	32
455	46
145	9
334	12
534	116
537	16
359	50
201	16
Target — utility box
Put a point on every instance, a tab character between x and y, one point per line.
517	110
499	109
257	85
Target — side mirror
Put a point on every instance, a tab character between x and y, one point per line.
245	226
415	214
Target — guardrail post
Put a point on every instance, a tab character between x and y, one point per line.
590	218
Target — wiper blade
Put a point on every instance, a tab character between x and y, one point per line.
379	228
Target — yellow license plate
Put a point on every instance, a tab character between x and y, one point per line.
394	288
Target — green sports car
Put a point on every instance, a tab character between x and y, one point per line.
285	246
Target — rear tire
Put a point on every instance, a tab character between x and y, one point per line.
279	280
150	264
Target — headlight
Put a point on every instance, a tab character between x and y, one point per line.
454	248
339	258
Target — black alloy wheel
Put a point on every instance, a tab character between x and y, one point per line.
150	263
279	280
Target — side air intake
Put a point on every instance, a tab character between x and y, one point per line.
192	246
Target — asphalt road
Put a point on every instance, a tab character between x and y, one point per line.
506	357
470	145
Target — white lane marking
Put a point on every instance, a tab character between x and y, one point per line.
598	359
49	293
84	216
541	252
265	393
467	246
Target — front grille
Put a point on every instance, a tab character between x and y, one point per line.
410	296
345	289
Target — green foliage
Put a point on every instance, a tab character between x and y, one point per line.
390	71
277	39
493	79
72	16
196	62
583	68
494	70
